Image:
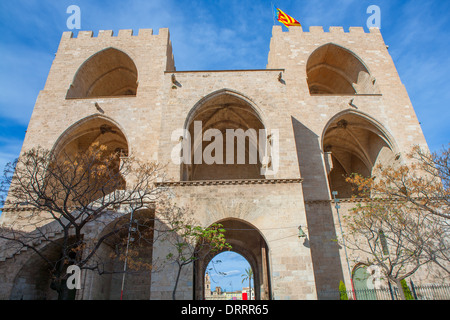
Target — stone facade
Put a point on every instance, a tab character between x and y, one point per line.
334	98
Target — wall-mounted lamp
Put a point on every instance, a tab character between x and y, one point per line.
301	233
280	78
175	83
99	109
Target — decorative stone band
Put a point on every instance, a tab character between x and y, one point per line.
226	182
20	209
356	200
347	200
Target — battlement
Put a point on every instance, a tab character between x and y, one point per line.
124	33
319	29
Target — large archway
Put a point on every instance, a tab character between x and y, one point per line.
235	128
354	143
247	241
332	69
229	276
108	73
94	137
93	129
124	239
34	279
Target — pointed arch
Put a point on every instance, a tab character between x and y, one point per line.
248	241
354	142
333	69
220	112
110	72
94	126
223	92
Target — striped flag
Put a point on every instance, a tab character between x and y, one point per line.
285	19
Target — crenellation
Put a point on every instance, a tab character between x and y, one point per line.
122	33
85	34
164	32
316	29
105	33
356	30
336	30
320	29
67	35
144	33
125	33
296	29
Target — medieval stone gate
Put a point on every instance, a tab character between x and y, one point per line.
333	102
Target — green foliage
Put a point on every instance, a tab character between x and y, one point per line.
342	291
408	294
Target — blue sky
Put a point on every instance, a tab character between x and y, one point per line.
226	270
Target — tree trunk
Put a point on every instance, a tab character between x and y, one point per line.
400	289
176	283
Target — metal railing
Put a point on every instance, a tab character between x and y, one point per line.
424	292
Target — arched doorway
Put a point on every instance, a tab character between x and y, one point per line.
361	278
34	279
124	239
94	135
247	241
229	276
93	129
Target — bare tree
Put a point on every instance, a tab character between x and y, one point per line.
403	223
391	237
64	194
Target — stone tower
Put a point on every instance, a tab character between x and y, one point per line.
330	103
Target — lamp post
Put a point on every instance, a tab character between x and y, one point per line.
337	206
130	239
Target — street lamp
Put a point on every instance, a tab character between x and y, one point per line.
337	206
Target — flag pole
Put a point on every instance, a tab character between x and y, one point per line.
273	12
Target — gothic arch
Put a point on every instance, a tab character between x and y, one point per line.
333	69
354	142
360	277
33	280
249	242
107	73
89	135
109	257
94	125
217	93
219	111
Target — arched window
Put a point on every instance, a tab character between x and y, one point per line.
332	69
232	152
95	132
109	72
352	143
